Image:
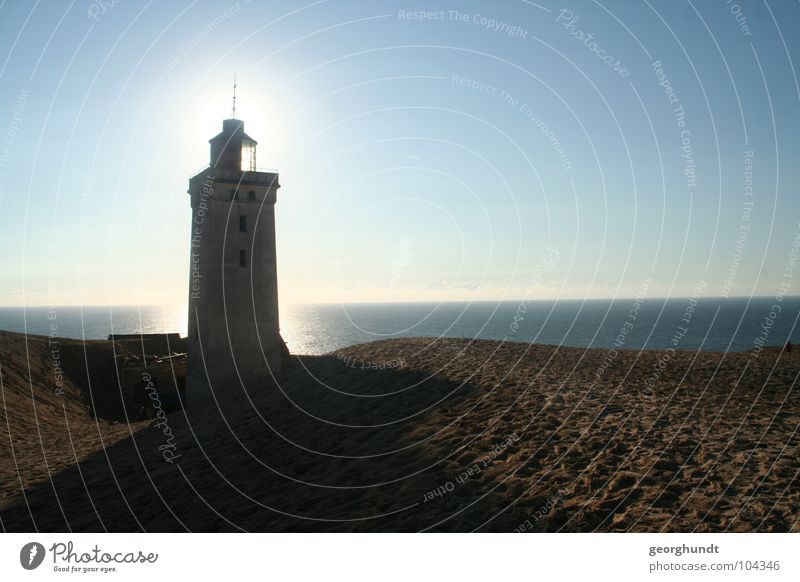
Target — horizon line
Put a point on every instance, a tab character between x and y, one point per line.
420	301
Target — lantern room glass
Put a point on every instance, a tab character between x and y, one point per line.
248	155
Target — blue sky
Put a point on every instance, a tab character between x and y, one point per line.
440	156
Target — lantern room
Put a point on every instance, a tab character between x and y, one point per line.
233	149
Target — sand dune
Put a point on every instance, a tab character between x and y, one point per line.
419	434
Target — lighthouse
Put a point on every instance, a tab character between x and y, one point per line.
234	340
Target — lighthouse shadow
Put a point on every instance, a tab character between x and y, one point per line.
326	446
370	448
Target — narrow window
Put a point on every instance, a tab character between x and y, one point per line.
234	195
252	194
242	223
242	258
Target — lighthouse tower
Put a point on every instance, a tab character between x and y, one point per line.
234	341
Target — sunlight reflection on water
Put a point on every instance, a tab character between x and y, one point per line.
716	324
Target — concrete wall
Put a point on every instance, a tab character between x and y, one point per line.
151	343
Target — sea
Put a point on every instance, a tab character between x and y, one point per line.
709	324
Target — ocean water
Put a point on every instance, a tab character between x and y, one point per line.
713	324
96	322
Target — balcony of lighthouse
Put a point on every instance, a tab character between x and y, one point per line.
262	175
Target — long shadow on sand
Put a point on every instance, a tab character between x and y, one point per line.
329	447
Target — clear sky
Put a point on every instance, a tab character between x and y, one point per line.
483	150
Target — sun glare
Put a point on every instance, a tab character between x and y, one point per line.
209	104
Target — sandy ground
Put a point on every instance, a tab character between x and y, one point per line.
420	434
